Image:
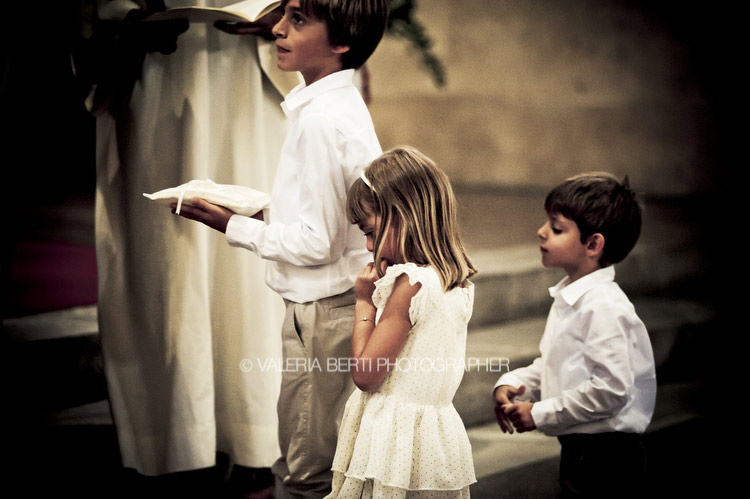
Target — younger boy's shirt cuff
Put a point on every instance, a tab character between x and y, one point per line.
508	379
544	416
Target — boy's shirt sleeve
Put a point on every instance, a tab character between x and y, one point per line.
317	234
610	383
529	376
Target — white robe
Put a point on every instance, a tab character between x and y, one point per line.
179	309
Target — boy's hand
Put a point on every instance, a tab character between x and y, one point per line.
262	27
504	395
520	415
215	216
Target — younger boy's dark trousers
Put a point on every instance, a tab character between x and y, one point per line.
602	465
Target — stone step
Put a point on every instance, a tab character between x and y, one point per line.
58	358
527	465
76	321
55	360
518	465
676	328
521	465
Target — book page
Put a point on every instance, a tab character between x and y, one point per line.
246	11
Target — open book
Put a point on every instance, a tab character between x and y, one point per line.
247	11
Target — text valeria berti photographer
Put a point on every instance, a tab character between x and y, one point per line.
349	364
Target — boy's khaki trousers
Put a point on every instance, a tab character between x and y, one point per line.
315	385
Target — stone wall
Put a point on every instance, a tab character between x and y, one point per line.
538	90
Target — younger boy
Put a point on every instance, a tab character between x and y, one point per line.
315	254
594	384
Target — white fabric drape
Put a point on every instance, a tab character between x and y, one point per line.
179	309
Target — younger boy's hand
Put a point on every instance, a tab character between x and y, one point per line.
504	395
215	216
520	415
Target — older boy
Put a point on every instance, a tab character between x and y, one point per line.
594	384
315	254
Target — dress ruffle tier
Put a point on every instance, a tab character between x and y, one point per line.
403	445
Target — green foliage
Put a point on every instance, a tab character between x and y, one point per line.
401	23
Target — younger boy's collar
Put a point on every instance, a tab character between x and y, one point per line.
571	292
302	93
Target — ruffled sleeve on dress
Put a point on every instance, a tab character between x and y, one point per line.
384	287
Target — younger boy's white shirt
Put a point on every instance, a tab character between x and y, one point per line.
596	369
314	251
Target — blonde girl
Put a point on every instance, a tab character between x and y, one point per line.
400	435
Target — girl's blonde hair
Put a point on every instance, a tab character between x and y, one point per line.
410	193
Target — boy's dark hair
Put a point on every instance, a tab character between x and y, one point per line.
358	24
598	202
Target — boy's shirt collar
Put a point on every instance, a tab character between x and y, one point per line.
301	94
571	292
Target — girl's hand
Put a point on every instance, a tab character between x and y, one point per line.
215	216
377	348
364	286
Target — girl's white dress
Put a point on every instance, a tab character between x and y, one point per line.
405	439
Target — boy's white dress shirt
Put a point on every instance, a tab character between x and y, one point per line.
596	369
314	251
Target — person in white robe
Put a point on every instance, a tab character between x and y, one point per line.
187	322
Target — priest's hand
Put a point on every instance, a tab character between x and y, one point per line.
262	27
152	36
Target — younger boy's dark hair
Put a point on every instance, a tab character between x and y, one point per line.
598	202
358	24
